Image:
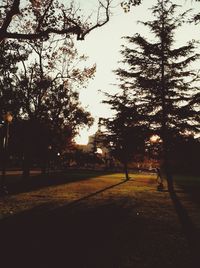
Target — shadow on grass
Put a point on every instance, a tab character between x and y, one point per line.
193	192
107	234
190	184
76	202
75	238
49	238
58	178
46	208
192	233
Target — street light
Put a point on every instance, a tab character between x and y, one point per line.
7	120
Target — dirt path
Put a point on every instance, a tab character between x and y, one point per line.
102	222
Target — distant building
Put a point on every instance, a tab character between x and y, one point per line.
94	145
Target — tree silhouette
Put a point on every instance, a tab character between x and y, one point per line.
43	96
158	75
127	4
47	17
126	130
9	67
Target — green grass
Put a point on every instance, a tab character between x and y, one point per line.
187	179
93	219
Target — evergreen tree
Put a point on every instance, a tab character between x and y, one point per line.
126	130
158	75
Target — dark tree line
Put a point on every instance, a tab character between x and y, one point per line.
159	93
39	84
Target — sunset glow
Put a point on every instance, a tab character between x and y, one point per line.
103	46
155	138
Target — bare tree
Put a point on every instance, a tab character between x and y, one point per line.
48	16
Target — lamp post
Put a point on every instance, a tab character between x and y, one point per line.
7	120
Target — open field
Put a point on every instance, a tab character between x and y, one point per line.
93	219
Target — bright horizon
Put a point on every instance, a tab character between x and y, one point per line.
103	45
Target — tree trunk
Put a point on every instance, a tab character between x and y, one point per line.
169	177
164	135
4	156
44	164
3	175
26	166
126	171
167	169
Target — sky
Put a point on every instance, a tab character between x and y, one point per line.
103	48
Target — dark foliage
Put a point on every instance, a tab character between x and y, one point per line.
44	100
158	74
126	130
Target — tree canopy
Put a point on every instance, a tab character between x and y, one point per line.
126	131
39	84
157	75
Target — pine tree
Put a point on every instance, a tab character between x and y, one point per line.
159	78
126	130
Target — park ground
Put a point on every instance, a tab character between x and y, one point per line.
88	219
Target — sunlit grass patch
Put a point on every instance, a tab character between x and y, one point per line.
76	184
134	175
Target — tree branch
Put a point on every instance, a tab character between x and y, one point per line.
43	16
42	34
75	27
98	24
14	10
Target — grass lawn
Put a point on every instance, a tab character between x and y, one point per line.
187	179
92	219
